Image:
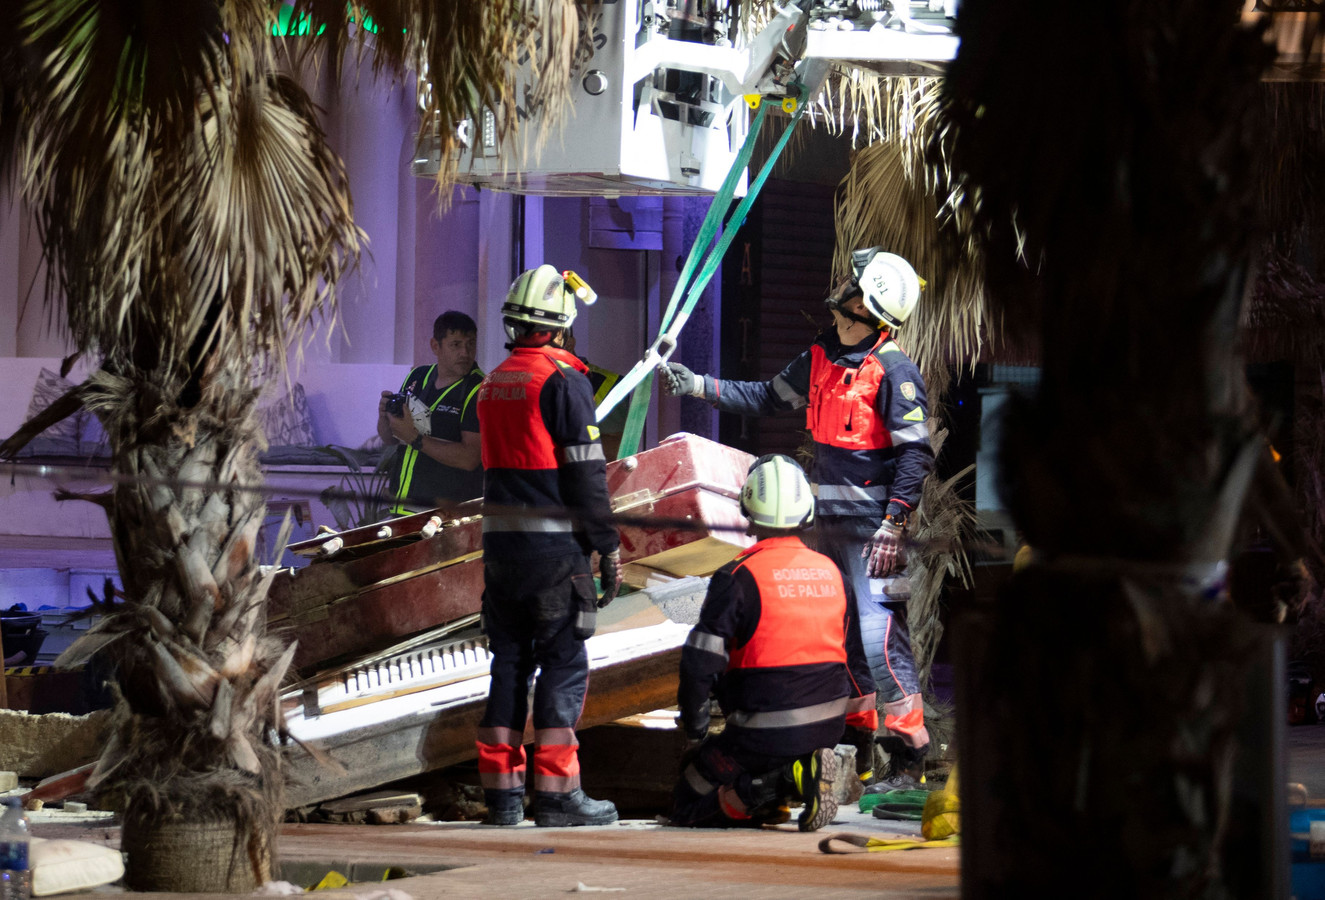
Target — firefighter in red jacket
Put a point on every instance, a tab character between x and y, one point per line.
866	410
541	451
770	645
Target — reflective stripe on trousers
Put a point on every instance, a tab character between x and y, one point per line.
556	762
501	759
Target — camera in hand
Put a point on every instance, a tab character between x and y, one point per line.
395	404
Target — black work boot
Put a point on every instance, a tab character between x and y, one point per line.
572	808
504	808
768	799
905	770
812	779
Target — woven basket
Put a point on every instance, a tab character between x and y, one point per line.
193	857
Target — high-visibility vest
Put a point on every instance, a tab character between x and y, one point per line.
841	409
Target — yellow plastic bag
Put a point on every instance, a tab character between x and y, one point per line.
330	882
942	815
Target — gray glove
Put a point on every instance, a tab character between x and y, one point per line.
678	381
882	550
609	575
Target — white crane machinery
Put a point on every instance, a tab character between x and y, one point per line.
663	104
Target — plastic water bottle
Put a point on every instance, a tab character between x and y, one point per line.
15	872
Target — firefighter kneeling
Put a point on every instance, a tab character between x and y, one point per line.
770	644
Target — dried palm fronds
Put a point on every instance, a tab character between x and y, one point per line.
1286	316
229	210
944	522
1291	166
886	201
467	57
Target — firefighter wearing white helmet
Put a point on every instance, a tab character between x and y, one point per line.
541	453
867	412
543	300
770	644
777	495
889	286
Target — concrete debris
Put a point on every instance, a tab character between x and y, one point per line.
35	746
374	800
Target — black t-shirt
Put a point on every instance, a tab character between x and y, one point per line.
417	481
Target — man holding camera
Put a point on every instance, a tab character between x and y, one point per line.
436	419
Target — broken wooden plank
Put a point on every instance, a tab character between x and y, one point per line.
371	800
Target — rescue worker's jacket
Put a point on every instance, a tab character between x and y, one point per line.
418	481
541	450
771	644
866	411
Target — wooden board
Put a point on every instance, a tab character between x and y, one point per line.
683	519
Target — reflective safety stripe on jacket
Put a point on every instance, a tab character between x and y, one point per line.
771	642
861	419
602	381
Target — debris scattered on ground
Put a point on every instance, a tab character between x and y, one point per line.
387	894
376	808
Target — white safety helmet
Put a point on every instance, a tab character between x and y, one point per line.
538	301
890	286
777	494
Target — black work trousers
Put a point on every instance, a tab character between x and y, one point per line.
721	787
530	610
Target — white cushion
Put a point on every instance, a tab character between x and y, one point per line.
60	866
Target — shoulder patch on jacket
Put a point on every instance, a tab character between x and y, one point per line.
908	389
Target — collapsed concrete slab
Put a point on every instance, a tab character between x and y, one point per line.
403	735
37	746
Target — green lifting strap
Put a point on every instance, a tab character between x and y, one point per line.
673	322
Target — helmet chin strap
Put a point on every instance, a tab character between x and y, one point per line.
835	305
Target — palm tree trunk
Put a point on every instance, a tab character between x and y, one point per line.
1103	694
197	675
